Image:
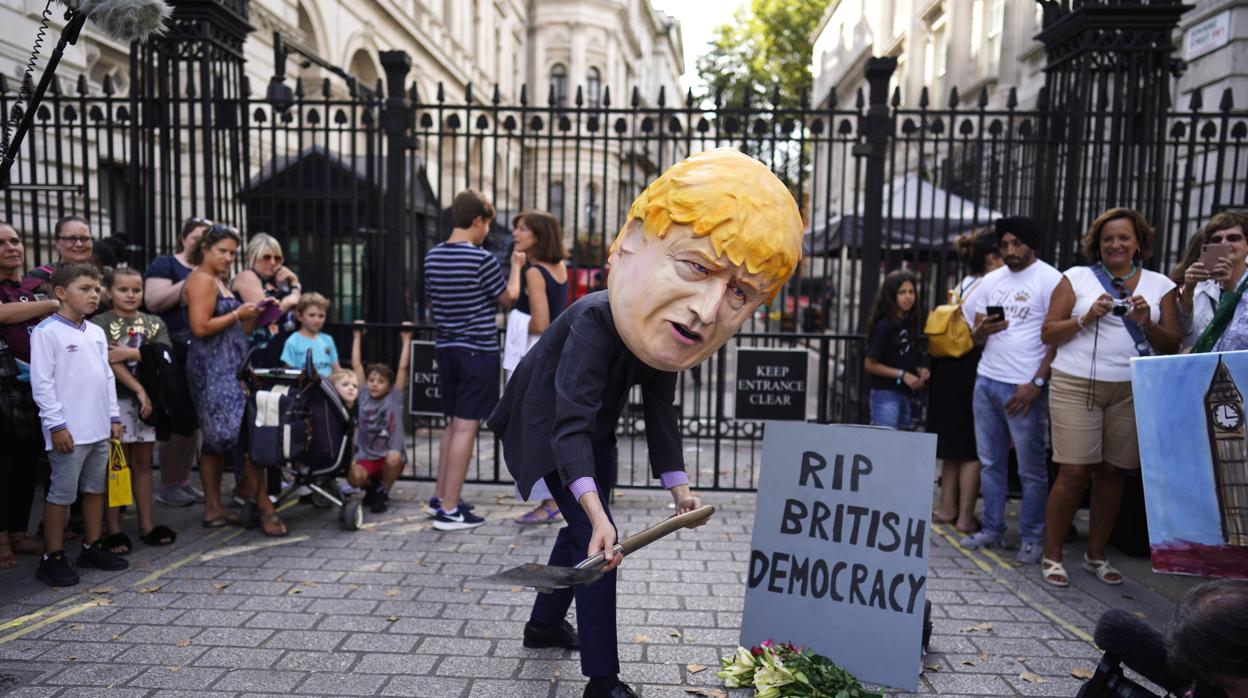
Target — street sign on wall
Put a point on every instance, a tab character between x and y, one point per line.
771	384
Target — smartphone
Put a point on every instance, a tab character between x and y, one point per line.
1211	253
996	313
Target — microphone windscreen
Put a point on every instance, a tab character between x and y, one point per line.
125	20
1138	646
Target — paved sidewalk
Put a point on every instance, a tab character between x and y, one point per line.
385	612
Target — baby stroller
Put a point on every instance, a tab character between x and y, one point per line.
297	423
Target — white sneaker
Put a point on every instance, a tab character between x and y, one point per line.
458	521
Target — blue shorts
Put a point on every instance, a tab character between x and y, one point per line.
469	382
85	470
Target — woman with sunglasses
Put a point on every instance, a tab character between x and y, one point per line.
1203	287
1099	317
266	277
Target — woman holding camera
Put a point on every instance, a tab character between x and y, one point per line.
1099	317
1206	280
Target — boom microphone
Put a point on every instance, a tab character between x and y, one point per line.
1138	646
124	20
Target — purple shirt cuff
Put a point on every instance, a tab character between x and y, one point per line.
581	485
114	420
673	478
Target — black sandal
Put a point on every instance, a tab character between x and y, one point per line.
159	535
116	540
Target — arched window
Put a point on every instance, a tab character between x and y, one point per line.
559	84
593	85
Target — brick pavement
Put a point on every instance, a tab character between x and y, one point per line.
331	613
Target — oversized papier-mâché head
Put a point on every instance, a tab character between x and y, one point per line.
704	245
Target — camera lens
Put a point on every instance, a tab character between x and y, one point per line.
1120	309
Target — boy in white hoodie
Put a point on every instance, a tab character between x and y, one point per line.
73	386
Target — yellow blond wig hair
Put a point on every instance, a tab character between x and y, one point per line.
749	214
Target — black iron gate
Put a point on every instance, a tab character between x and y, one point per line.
355	181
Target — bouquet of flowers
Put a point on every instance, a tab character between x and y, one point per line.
782	670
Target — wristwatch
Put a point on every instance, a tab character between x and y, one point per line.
1038	382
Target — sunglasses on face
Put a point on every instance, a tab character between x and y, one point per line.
1233	237
271	257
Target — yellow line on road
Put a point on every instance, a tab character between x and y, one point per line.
21	621
1033	605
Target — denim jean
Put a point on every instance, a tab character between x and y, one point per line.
890	408
994	429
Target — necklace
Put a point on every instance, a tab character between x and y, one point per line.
1134	271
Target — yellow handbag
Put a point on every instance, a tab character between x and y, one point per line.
119	494
948	335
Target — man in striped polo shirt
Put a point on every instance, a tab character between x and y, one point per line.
465	283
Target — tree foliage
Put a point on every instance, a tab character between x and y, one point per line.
767	44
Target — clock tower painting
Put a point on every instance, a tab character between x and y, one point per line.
1224	416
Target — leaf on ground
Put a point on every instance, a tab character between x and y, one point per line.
932	667
184	643
516	590
694	668
1082	673
103	602
1032	677
978	628
967	662
115	637
711	692
72	658
674	632
641	639
296	591
77	627
103	590
150	590
392	592
983	656
220	585
307	583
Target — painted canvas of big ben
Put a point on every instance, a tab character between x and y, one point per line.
1192	423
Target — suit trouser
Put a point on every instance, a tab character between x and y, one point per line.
595	603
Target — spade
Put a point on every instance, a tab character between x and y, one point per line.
546	578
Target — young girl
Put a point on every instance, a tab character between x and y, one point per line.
893	354
127	329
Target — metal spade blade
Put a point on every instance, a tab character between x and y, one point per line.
549	577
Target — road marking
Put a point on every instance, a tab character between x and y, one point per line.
1027	601
49	620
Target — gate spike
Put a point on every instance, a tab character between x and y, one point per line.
414	93
352	90
82	85
662	96
468	93
861	99
550	95
441	96
719	97
55	88
244	86
580	97
497	97
4	85
775	96
325	88
524	95
1228	100
833	100
108	86
379	89
924	99
1197	102
606	96
896	96
983	98
689	98
1011	101
803	99
953	97
636	97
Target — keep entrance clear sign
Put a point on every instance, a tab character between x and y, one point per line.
838	561
424	394
771	384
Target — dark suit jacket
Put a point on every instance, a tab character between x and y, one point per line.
568	393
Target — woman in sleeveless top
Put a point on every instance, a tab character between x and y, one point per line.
267	277
219	325
949	412
543	295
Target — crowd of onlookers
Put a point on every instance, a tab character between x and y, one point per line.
1044	367
100	361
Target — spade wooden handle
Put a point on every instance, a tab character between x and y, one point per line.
641	539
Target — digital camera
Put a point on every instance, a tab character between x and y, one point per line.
1121	307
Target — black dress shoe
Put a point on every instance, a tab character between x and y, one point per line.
621	690
540	636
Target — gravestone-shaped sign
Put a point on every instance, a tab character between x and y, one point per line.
838	562
424	393
771	384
